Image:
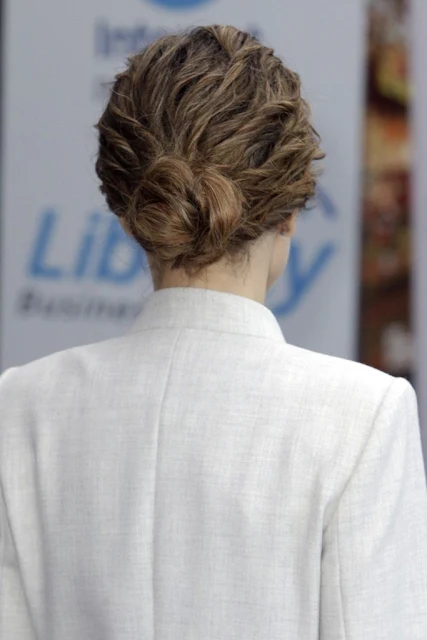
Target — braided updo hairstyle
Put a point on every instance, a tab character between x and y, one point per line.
205	144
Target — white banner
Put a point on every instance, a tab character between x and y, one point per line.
419	16
68	274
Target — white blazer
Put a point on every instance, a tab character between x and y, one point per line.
200	479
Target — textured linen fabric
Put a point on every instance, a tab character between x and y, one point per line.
200	479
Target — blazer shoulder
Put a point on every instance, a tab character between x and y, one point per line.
33	380
340	374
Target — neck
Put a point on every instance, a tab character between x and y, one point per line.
248	283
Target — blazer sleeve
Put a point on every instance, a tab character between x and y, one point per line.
15	621
15	618
374	563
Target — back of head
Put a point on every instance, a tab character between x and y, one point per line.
205	144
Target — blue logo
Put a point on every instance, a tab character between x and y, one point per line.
121	40
178	4
102	253
96	256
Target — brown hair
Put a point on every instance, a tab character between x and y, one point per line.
204	145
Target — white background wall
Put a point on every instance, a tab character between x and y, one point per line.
67	276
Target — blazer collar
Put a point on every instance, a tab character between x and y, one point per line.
204	309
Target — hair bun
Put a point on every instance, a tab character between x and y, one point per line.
205	144
183	216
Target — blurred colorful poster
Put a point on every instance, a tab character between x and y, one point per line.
386	339
419	49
